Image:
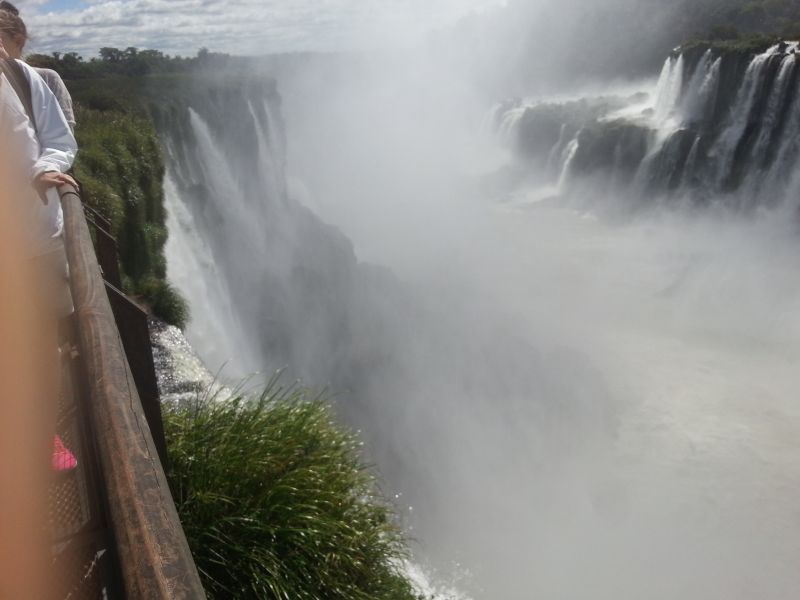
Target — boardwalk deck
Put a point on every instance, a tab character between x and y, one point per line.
84	562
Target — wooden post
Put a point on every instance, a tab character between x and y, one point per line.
108	257
135	334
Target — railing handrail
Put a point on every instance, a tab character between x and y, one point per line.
155	560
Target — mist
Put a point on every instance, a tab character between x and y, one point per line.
574	386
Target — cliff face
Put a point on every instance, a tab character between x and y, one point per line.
270	284
723	121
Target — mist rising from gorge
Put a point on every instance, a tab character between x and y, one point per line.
582	392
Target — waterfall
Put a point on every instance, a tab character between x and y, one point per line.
774	109
215	325
716	123
692	100
554	159
510	121
274	288
663	87
568	156
786	147
703	90
690	168
270	152
739	117
669	89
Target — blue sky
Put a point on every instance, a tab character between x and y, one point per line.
62	4
237	26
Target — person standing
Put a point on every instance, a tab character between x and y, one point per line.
49	153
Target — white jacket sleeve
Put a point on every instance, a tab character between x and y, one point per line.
22	140
56	142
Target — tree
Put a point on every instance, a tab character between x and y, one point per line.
113	55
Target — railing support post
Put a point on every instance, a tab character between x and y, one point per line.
135	334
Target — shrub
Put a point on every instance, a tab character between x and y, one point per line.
276	504
165	301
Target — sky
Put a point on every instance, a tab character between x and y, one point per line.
235	26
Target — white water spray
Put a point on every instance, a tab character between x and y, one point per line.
576	407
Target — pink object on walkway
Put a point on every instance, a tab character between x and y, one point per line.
63	459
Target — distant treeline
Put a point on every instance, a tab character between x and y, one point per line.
734	19
130	62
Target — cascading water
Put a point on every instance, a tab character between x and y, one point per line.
555	159
690	169
739	120
568	156
701	139
270	269
670	86
773	111
695	99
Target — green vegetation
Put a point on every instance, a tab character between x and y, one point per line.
131	62
276	503
120	164
122	172
739	25
745	45
743	19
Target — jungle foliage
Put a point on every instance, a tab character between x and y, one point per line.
121	171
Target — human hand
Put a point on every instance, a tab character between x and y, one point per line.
54	179
51	179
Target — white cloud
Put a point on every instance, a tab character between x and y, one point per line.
238	26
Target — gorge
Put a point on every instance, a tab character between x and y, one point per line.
569	336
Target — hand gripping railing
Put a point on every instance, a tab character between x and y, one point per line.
155	560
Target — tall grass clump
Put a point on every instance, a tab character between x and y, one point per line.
276	503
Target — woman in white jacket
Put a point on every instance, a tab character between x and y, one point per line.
57	145
44	148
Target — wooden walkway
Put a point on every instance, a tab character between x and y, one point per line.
116	532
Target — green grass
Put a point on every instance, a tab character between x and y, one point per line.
276	503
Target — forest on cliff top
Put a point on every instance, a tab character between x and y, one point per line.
741	17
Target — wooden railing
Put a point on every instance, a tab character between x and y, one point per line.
150	546
133	327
